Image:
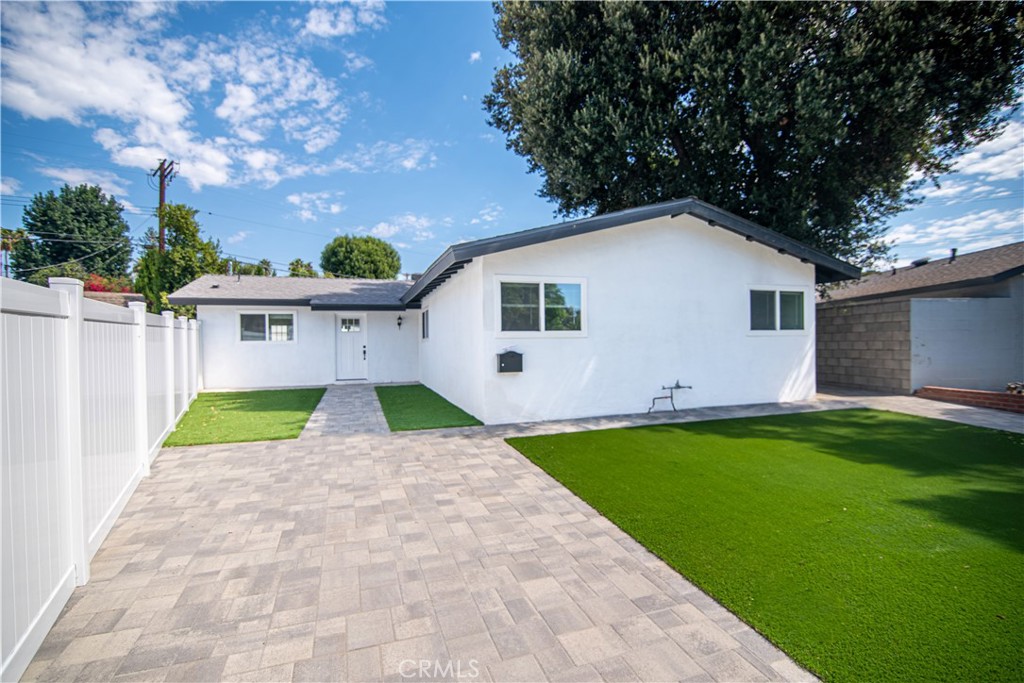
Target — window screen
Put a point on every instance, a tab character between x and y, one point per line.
762	310
254	327
791	310
520	306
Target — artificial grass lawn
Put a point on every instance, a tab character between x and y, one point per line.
869	546
234	417
413	406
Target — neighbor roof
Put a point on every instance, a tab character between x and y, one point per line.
966	270
320	294
826	268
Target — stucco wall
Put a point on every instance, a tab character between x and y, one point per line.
865	345
666	299
966	343
450	359
229	363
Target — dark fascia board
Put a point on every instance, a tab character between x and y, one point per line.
827	268
202	301
959	284
205	301
362	307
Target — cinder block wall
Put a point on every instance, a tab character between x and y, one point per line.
864	345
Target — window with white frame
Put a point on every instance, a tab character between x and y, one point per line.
776	310
274	327
425	324
541	306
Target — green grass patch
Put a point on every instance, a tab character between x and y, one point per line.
234	417
413	406
869	546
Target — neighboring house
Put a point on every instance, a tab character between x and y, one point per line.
604	310
956	322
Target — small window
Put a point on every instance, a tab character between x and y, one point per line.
762	310
791	310
349	324
425	324
542	306
267	326
774	310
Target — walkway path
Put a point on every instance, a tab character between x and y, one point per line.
356	556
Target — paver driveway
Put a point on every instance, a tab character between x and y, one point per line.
356	557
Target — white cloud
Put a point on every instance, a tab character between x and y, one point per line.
111	183
474	57
81	62
998	159
969	232
417	227
9	185
312	204
409	155
330	20
238	237
489	214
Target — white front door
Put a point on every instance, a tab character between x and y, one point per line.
350	346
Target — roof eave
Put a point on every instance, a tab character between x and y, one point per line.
360	307
228	301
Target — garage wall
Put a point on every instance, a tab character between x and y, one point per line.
865	345
966	343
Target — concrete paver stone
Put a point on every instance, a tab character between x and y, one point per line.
356	554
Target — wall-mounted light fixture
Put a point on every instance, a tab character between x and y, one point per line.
399	322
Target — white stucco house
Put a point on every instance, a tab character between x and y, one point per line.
604	312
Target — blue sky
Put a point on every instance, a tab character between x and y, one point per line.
295	122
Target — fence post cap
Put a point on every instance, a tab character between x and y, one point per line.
66	281
137	305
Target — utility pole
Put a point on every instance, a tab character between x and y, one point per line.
165	173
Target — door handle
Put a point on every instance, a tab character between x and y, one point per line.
364	351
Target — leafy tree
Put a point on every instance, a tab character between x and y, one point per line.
809	118
41	276
187	256
365	256
78	225
300	268
264	267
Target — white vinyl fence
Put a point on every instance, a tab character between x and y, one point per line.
88	393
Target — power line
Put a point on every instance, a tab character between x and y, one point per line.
74	260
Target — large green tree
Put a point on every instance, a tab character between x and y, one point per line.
363	256
187	256
809	118
78	229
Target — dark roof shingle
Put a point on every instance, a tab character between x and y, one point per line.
977	268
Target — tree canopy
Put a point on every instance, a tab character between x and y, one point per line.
363	256
77	230
300	268
187	256
812	119
264	267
